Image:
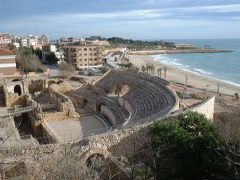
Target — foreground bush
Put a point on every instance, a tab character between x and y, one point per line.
188	147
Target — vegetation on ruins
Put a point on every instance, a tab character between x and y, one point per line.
28	61
190	147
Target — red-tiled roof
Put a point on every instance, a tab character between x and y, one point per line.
4	52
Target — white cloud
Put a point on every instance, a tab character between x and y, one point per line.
136	14
215	8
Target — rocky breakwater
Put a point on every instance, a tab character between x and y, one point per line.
177	51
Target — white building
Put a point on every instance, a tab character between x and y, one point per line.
16	44
23	42
5	39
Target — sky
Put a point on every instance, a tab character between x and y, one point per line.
136	19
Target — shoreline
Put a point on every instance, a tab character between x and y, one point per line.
177	51
195	80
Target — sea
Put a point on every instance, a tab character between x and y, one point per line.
224	66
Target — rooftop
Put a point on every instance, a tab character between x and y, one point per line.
82	46
4	52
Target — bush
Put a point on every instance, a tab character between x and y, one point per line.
185	148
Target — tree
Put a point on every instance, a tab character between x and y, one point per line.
236	96
152	68
165	72
158	72
38	53
184	148
51	58
66	70
143	69
28	61
148	68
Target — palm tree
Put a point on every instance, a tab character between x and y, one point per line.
165	72
161	72
148	68
158	71
152	69
143	68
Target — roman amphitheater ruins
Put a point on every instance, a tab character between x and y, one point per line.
44	116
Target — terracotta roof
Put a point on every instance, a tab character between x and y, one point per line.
4	52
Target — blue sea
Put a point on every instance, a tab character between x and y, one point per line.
224	66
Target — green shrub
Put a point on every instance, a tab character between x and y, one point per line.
185	148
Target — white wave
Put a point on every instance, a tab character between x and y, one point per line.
202	71
175	62
233	83
189	71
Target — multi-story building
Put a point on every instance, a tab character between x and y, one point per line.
98	43
5	39
7	62
43	40
84	56
32	40
23	42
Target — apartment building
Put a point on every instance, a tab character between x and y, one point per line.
5	39
84	56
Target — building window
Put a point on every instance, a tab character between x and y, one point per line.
85	59
85	49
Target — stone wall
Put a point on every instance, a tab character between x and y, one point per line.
125	141
12	98
36	86
206	108
64	103
92	105
48	133
109	114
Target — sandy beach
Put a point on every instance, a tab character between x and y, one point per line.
178	75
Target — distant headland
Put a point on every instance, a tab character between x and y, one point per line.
138	47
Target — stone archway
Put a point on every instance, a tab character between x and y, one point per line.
85	102
18	90
99	107
95	161
96	149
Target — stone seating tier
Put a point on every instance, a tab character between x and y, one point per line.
148	95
